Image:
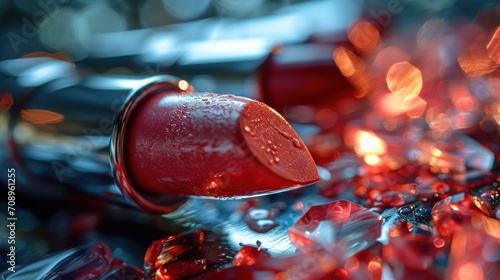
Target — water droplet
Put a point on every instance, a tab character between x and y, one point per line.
258	213
247	129
268	150
277	159
262	225
271	161
283	133
408	209
296	143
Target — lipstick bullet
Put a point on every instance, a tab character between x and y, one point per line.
149	142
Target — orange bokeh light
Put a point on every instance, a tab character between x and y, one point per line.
461	98
368	143
414	106
344	59
364	36
470	270
388	56
404	79
354	69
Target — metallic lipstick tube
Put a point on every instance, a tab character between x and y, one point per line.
58	130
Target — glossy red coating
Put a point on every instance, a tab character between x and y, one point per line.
213	145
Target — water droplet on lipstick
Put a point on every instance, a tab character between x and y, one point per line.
296	143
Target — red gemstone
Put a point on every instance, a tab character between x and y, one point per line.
181	269
331	227
249	255
455	212
165	250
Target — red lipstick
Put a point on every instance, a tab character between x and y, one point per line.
213	145
147	142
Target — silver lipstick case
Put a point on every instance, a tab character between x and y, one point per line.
62	130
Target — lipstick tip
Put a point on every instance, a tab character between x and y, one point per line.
274	142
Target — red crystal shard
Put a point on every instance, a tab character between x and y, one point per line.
455	212
165	250
249	255
161	259
180	269
341	226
